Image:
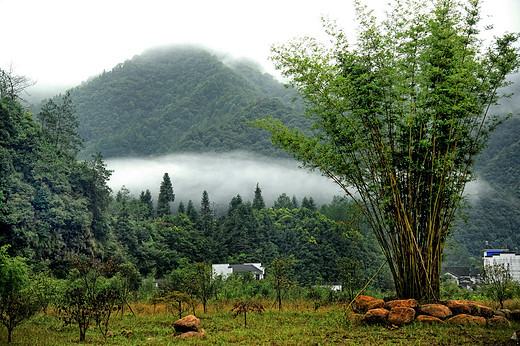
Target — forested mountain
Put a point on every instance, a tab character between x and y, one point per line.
187	99
178	99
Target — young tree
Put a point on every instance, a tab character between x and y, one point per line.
166	196
201	282
16	301
91	293
398	120
349	275
497	282
280	271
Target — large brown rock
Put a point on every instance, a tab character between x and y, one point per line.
401	315
189	323
361	303
375	304
458	307
428	319
408	303
465	319
189	335
498	321
481	310
376	316
435	310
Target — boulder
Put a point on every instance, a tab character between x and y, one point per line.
361	303
400	315
189	335
498	321
376	316
458	307
515	315
428	319
481	310
465	319
503	312
189	323
408	303
375	304
355	319
435	310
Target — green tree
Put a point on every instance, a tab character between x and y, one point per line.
349	275
191	212
206	215
16	300
497	283
146	198
399	117
258	201
59	122
90	295
308	203
283	201
280	271
181	208
166	196
201	282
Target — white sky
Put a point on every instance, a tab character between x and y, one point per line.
63	42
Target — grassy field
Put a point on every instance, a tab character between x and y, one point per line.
298	324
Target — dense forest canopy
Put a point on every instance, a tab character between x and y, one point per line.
55	205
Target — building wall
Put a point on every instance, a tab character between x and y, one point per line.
508	259
221	269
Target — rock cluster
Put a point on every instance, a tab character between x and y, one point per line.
398	312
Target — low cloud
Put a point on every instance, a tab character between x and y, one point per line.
223	176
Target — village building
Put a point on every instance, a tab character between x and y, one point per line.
227	269
509	259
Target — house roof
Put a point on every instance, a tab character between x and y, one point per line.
461	271
240	268
457	271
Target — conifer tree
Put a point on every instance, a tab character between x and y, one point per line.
258	201
166	196
181	208
146	198
191	212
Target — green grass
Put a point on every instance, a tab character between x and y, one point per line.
298	324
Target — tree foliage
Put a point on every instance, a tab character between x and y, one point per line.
399	118
16	299
166	196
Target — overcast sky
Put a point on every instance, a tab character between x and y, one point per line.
63	42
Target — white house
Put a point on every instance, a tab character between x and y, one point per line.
509	259
227	269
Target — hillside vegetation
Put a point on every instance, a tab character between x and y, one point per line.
178	99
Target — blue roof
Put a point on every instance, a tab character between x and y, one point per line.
490	253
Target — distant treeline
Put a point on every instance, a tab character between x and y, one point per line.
55	208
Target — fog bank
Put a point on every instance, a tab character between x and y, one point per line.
222	175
